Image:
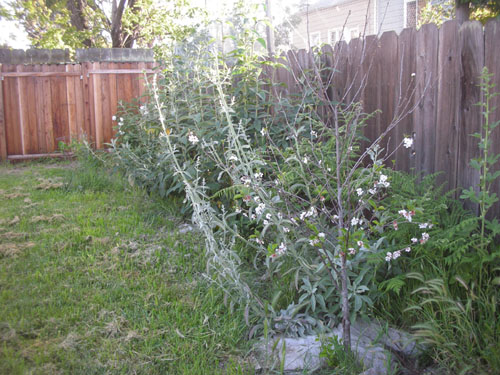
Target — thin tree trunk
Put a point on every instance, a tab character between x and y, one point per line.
77	18
269	30
462	11
346	321
116	24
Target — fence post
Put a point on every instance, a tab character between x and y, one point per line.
3	140
87	104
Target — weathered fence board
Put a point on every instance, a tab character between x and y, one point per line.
370	95
3	138
11	113
426	94
492	62
388	56
448	101
472	44
405	159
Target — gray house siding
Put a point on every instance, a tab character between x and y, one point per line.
390	15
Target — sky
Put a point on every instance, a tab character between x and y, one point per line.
13	34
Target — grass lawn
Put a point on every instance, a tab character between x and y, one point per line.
95	278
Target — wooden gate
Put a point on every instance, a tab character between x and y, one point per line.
42	105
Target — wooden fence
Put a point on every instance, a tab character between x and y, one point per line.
41	105
435	72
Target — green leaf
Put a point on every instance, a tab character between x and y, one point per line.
358	303
262	42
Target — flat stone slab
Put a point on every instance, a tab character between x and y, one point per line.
375	346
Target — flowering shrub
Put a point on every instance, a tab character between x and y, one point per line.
304	223
306	205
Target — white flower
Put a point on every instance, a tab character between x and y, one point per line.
312	211
233	158
314	134
313	242
335	217
388	256
425	238
425	225
372	191
329	169
352	251
245	180
253	217
407	214
361	244
238	210
259	210
407	142
280	216
413	75
193	138
263	131
113	118
383	181
359	191
305	160
268	216
321	235
121	119
414	240
281	249
266	222
258	176
396	254
286	230
408	249
354	221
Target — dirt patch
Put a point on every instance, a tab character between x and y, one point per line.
14	249
49	219
14	195
50	183
12	235
7	333
14	221
70	342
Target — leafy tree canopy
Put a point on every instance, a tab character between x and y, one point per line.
439	12
102	23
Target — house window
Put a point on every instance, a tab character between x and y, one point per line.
410	14
315	39
333	36
354	33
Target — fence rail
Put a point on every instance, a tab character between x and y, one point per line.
41	105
